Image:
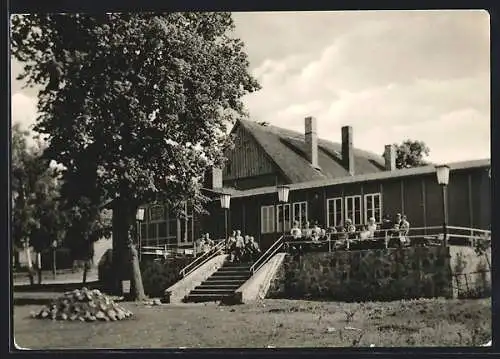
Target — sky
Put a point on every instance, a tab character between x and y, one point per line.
391	75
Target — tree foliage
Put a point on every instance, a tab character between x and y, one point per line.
135	98
35	191
411	154
134	105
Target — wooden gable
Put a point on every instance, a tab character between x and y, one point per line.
247	158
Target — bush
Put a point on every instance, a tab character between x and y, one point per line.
105	272
157	275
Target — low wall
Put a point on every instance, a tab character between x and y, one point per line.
471	272
385	274
258	285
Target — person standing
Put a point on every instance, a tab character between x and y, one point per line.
240	246
404	229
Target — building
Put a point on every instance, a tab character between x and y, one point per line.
328	181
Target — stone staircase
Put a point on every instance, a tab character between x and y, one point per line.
222	284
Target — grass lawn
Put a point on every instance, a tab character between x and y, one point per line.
278	323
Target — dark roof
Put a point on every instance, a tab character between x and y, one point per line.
288	151
405	172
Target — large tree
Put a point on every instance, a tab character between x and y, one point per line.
411	153
135	104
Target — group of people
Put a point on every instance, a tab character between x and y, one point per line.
204	244
241	249
396	229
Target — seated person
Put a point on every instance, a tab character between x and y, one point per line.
199	244
365	233
315	232
296	232
372	227
322	234
350	229
307	232
396	224
254	247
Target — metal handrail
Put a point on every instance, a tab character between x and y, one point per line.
199	261
279	243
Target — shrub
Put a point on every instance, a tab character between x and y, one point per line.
158	275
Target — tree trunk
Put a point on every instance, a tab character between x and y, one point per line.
84	280
30	263
125	256
137	285
39	266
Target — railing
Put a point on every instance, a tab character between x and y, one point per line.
418	236
264	258
205	257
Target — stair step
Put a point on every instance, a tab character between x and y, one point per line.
215	281
219	286
235	268
229	264
198	298
227	273
211	291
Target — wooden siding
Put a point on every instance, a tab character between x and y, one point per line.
254	182
458	199
421	196
391	198
413	201
247	159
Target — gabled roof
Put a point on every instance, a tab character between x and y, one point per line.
288	151
406	172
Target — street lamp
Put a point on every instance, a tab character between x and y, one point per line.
225	201
54	256
139	217
283	191
443	177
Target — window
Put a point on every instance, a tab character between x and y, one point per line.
156	213
267	219
335	212
373	207
300	212
353	209
279	218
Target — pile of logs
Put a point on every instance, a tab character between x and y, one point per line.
84	305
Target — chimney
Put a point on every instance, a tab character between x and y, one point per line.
311	138
347	149
390	158
214	178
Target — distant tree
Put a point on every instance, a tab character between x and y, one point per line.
134	105
411	154
36	219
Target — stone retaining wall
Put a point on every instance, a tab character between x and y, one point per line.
385	274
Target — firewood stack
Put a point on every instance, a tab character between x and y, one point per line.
84	305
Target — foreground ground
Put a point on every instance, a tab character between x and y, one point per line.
277	323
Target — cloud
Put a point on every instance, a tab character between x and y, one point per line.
390	75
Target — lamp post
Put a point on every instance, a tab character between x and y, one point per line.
443	177
54	256
139	217
283	191
225	200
